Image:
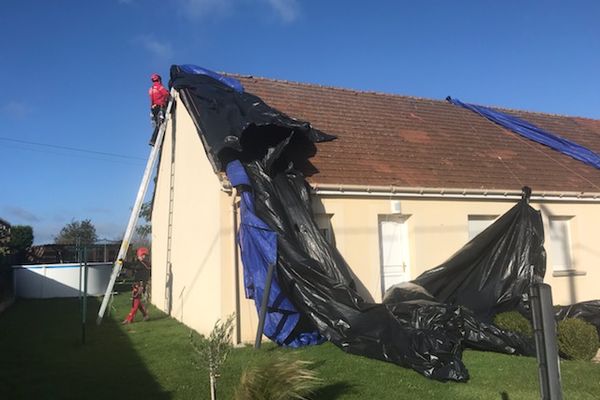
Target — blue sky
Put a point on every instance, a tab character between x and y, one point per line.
76	73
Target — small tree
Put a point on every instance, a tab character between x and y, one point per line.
84	230
144	229
21	239
214	351
141	235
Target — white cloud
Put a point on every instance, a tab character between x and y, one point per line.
20	214
15	109
288	10
160	49
201	8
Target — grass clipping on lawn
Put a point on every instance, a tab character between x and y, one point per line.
278	379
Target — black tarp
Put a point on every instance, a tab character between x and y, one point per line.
231	121
422	333
491	273
318	281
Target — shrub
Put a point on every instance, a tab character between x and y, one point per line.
515	322
277	379
577	339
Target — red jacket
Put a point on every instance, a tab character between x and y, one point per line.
159	95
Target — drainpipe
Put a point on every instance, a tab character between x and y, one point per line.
236	269
265	299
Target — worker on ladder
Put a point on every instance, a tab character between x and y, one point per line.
159	97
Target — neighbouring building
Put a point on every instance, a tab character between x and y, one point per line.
407	183
101	251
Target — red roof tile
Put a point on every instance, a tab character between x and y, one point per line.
386	139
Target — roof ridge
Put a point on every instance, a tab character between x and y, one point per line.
332	87
357	91
541	113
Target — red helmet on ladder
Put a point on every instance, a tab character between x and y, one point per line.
142	251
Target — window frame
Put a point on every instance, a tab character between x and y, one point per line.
570	266
479	217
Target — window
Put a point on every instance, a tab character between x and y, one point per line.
324	224
478	223
560	243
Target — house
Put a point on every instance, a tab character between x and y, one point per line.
407	182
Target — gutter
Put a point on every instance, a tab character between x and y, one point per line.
333	190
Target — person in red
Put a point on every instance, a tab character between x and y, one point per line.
159	97
136	303
142	272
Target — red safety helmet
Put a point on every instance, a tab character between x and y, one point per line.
142	251
155	78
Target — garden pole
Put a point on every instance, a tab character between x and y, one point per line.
544	329
85	288
80	278
80	266
263	307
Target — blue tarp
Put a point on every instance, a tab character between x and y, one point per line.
258	244
535	133
231	82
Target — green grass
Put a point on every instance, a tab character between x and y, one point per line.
41	357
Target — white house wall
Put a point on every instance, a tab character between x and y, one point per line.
438	228
199	235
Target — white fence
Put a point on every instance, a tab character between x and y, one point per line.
44	281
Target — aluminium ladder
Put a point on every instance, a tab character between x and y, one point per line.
135	212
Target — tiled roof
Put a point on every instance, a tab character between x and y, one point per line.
386	139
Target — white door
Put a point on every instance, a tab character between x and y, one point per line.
394	251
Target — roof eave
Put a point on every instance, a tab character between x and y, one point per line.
391	191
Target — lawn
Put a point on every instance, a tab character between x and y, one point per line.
43	358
